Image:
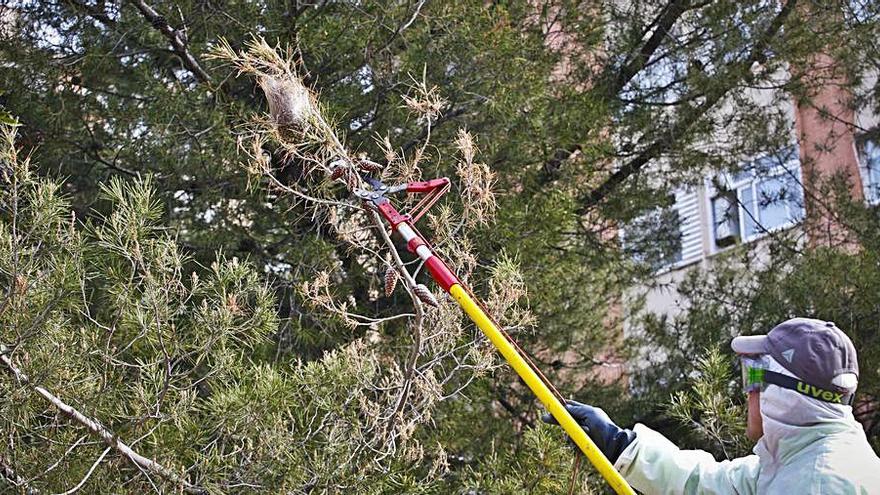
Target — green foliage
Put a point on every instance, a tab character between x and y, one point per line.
709	410
171	356
107	319
5	117
543	465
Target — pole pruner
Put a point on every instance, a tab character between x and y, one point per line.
377	198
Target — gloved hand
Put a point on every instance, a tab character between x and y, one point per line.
611	439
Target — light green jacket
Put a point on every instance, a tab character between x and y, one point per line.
833	458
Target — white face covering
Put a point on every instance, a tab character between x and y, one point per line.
786	412
792	408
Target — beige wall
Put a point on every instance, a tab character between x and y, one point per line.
664	298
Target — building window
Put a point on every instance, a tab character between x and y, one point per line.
869	159
767	196
654	238
668	236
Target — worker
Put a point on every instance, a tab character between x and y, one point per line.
800	379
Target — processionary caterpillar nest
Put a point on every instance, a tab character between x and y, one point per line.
290	103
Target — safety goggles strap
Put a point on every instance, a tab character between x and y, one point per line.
808	390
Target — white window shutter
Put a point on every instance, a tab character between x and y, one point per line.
688	206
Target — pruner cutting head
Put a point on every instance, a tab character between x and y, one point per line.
377	192
377	197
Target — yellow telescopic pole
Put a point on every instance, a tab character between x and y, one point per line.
540	389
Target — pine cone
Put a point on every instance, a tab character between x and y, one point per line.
426	296
391	277
351	180
337	172
21	284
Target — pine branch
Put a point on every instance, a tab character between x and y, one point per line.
177	38
450	114
101	431
662	24
613	80
88	473
739	72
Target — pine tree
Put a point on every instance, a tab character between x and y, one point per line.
582	116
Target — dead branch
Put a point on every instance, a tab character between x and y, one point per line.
101	431
410	284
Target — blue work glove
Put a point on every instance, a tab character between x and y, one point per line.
611	439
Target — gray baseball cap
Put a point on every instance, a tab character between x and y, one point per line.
815	351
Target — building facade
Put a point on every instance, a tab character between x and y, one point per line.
781	191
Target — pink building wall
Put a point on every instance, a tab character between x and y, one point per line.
824	122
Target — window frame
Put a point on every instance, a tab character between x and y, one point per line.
870	189
753	181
